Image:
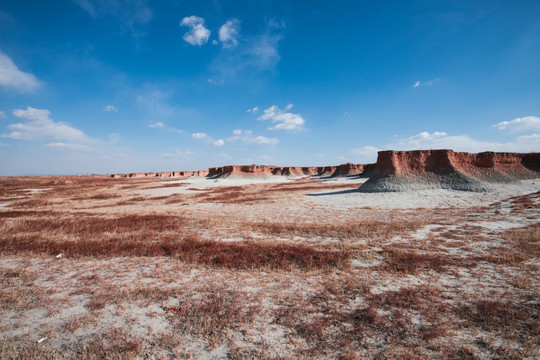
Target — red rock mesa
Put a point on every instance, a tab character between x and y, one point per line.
446	169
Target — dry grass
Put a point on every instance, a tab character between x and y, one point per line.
342	230
142	277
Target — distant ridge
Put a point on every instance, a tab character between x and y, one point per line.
347	169
397	170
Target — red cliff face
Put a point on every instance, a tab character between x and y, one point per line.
262	171
270	170
349	169
421	169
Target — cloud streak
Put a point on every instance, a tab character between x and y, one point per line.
159	124
247	137
14	79
425	83
520	124
199	135
130	13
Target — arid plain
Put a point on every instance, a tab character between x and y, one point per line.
277	267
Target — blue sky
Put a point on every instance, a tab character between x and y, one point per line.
104	86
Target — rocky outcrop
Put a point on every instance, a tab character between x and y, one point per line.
349	169
163	174
271	170
261	171
446	169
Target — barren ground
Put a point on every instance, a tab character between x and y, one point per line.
276	269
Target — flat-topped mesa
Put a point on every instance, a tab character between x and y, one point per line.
446	169
241	171
293	171
349	169
162	174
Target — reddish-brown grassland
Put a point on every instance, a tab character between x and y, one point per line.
165	269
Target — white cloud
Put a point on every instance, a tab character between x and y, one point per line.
366	154
110	108
40	126
157	125
69	146
198	33
425	83
240	131
246	136
262	140
198	135
13	78
228	33
179	153
441	140
254	110
2	115
520	124
277	24
216	81
284	120
533	137
219	142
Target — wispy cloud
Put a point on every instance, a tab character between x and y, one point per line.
262	52
254	110
219	142
520	124
2	115
277	24
110	108
283	120
247	137
159	124
130	13
228	33
425	83
253	54
198	34
14	79
199	135
69	146
179	153
442	140
40	126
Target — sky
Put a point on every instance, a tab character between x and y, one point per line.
119	86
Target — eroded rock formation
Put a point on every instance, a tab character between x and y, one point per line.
446	169
270	170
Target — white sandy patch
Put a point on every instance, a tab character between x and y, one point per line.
36	191
201	183
433	198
